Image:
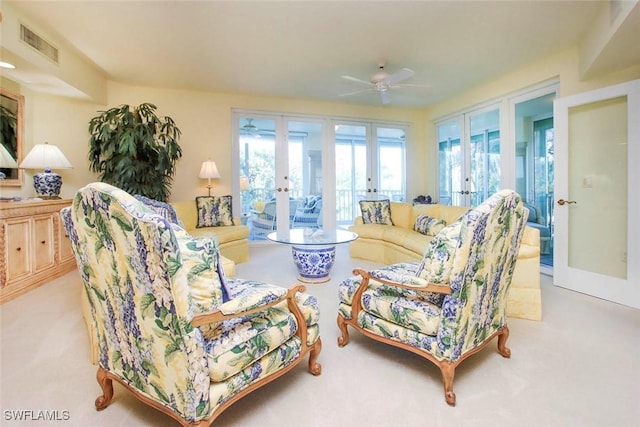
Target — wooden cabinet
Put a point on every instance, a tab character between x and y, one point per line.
33	246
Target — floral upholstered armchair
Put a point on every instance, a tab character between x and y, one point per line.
169	325
453	303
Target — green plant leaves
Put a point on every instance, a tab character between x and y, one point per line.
133	149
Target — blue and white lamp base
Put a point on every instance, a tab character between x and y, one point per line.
47	184
314	263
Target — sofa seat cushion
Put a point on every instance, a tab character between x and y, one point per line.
528	251
222	234
401	307
370	231
407	238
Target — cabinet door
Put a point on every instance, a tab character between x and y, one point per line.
65	250
17	249
43	239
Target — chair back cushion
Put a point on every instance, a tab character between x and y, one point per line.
138	291
481	272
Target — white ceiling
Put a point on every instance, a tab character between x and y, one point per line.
300	49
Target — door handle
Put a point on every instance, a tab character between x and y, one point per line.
563	202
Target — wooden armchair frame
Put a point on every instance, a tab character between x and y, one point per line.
105	378
447	368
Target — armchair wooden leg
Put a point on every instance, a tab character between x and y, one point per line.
314	367
448	371
107	389
342	325
502	343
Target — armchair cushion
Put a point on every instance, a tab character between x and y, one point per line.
214	211
376	211
241	341
428	225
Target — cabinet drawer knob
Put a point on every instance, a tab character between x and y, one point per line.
43	242
18	249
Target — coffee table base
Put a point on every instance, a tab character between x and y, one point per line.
314	263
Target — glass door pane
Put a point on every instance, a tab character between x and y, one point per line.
257	153
391	163
483	178
305	174
450	163
598	131
351	171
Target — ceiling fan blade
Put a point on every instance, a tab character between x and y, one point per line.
355	92
354	79
400	75
384	95
407	85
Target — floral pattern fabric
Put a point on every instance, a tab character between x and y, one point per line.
214	211
145	282
161	208
476	256
429	226
376	211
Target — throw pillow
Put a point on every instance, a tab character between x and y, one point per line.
376	211
428	225
214	211
438	259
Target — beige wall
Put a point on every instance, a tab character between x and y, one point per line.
205	121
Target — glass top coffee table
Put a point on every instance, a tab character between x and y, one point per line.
314	251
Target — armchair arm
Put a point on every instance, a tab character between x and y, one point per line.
258	300
407	281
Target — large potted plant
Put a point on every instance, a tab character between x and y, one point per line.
133	149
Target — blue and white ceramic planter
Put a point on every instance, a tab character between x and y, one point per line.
314	263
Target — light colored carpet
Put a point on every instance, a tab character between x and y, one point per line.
580	366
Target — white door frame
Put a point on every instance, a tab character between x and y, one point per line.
623	291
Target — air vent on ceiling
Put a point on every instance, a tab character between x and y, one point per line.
38	43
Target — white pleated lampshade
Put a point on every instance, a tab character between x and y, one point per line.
209	170
45	156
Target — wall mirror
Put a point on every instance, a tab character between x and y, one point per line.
11	125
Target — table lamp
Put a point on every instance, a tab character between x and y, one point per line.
46	156
209	170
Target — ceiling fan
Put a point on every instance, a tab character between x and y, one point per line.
382	82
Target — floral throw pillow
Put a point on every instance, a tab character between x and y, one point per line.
437	262
214	211
376	211
428	225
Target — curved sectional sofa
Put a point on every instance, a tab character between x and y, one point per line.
391	244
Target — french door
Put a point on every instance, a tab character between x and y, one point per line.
597	251
280	163
469	157
369	164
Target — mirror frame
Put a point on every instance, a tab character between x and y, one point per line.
17	182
